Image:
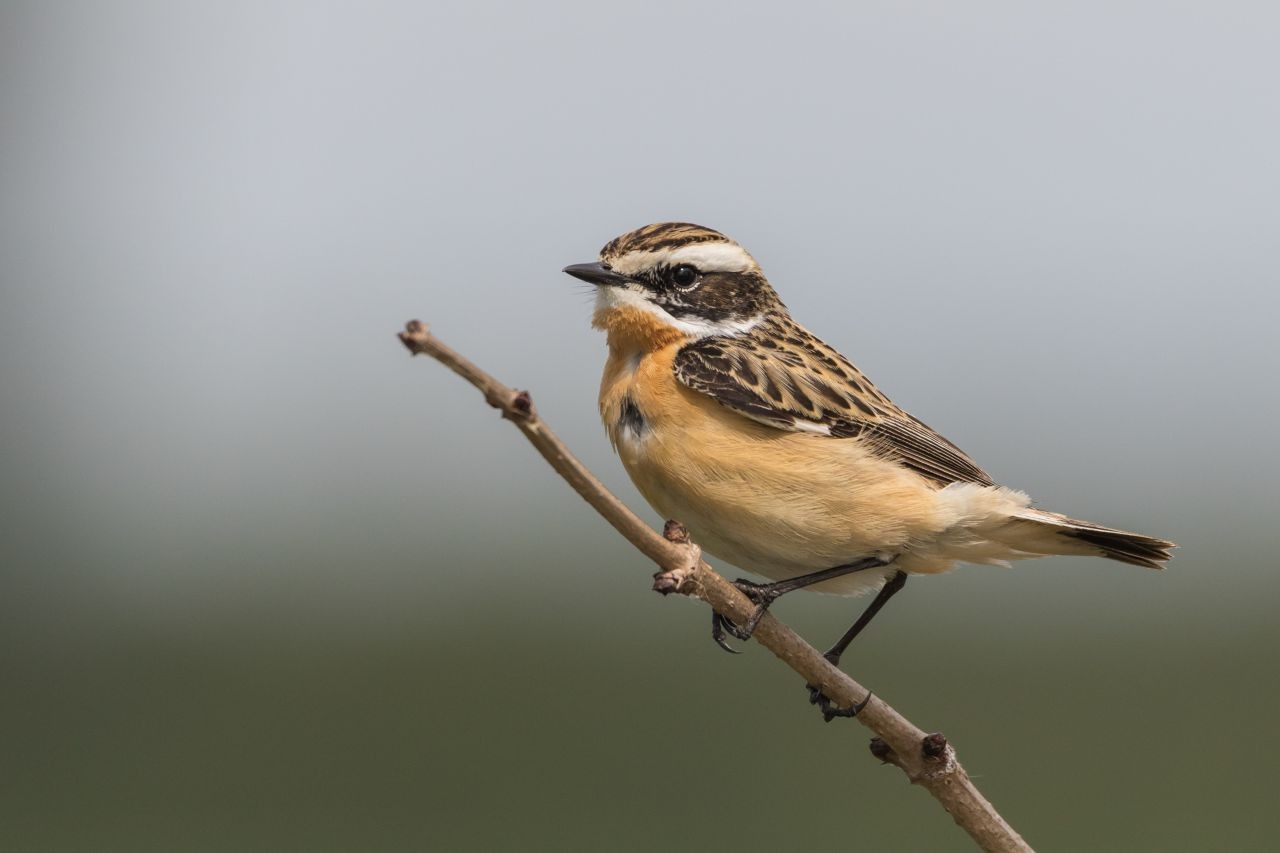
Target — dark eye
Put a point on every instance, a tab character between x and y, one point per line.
684	276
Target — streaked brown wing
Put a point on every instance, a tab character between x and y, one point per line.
782	376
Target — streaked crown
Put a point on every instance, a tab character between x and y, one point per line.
659	237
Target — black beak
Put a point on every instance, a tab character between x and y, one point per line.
597	274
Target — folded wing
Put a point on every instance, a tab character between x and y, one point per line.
782	376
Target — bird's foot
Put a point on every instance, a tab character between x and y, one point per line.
762	595
830	710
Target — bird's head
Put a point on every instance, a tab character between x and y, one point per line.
682	280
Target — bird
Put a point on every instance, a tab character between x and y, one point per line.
778	454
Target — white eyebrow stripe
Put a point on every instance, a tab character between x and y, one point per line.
713	257
620	297
707	257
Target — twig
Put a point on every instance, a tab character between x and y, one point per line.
927	759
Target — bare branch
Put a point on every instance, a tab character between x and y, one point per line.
928	760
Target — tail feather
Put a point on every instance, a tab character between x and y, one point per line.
1129	548
1088	538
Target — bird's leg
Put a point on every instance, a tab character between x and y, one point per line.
765	594
828	708
888	591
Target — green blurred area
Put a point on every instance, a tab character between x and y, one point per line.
1099	706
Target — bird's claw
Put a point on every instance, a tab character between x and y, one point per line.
762	595
720	626
829	709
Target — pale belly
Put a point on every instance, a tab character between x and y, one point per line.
775	503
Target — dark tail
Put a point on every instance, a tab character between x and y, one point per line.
1084	537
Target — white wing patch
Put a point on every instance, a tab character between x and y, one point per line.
800	425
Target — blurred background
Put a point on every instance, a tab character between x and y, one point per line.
269	584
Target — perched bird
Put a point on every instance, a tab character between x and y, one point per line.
777	453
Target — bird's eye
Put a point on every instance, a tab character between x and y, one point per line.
684	276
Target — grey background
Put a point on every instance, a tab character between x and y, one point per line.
267	583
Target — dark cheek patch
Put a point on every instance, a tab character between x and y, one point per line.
721	296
